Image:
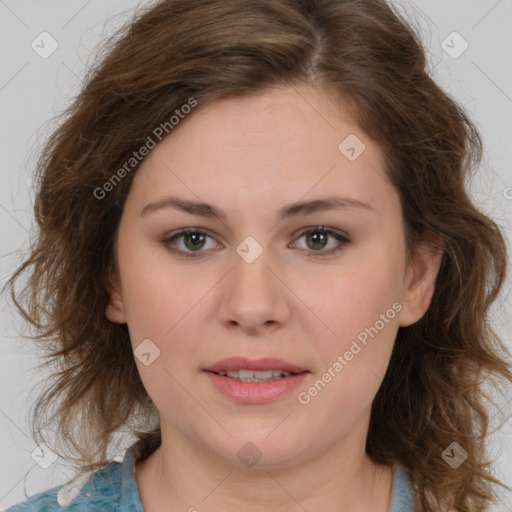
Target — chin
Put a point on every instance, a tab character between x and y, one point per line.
254	449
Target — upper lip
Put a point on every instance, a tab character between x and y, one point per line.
265	363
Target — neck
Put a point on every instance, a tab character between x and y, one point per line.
179	475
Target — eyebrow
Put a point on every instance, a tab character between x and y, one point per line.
291	210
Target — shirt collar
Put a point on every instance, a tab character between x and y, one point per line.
130	498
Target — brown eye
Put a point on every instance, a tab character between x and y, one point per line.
194	240
317	240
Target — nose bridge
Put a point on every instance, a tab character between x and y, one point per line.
251	274
254	296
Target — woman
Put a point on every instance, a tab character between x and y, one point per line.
256	252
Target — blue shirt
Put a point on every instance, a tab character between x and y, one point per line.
114	489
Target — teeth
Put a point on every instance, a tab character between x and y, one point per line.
255	375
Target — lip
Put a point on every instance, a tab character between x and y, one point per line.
265	363
255	392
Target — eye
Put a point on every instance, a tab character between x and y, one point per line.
194	240
318	237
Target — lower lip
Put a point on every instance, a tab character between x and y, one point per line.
255	392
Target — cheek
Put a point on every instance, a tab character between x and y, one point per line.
361	306
158	298
354	295
353	362
162	304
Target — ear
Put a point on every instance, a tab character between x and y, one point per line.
115	309
421	275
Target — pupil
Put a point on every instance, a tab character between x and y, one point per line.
195	237
316	238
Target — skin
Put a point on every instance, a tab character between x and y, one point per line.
249	157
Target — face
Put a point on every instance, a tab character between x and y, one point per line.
255	283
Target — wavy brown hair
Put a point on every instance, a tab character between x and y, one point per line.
366	55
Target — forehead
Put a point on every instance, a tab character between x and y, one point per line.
274	147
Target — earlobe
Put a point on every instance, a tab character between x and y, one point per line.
420	281
115	308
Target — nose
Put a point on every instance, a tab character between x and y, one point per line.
253	297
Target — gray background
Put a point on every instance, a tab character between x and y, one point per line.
33	89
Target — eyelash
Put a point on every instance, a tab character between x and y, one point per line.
343	241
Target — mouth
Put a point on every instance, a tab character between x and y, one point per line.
244	375
255	381
255	370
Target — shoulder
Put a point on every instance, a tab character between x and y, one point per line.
99	491
402	495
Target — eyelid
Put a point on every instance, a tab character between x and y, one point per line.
323	229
